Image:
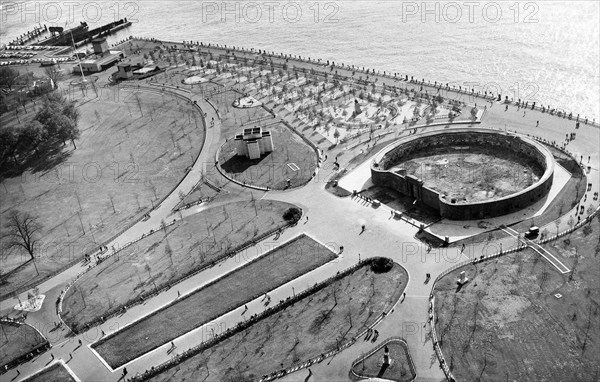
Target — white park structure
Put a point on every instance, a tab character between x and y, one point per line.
254	142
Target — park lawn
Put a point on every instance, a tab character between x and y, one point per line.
285	263
234	119
507	324
55	373
165	256
310	327
399	369
123	164
272	169
17	340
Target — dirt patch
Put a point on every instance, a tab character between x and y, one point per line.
472	176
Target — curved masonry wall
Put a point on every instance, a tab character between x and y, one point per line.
413	187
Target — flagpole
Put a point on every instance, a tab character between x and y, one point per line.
78	59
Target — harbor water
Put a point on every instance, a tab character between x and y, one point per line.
544	52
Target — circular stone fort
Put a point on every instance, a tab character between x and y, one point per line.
467	174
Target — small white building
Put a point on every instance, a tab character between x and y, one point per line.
103	58
253	143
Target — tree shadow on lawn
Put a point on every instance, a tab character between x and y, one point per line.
18	268
48	157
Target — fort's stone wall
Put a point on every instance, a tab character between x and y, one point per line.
404	149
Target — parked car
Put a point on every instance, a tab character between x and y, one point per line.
532	232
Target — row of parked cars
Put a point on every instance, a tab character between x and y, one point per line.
14	62
17	55
31	47
44	61
50	61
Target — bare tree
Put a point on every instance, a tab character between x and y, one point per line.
22	232
169	252
575	263
543	278
172	136
153	188
148	269
571	223
484	365
112	202
8	77
138	101
587	331
54	75
478	296
78	201
137	200
450	320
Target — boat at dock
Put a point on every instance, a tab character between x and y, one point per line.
81	33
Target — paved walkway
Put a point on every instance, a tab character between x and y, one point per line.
332	220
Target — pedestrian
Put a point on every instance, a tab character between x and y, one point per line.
462	249
403	297
70	356
80	343
103	334
537	123
51	355
124	371
178	294
524	113
362	229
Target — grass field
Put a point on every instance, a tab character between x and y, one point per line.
272	169
17	340
285	263
54	373
166	255
125	160
399	368
313	325
507	323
